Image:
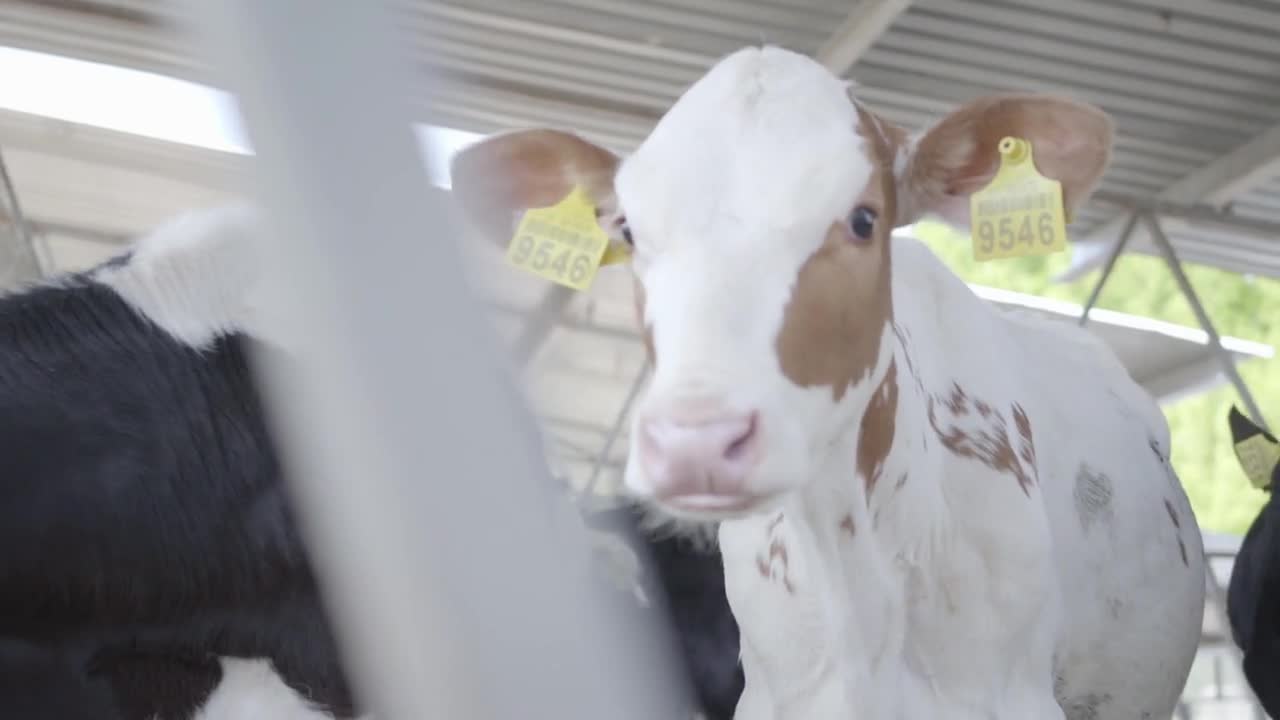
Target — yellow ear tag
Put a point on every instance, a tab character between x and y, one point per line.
1258	456
562	243
615	253
1020	211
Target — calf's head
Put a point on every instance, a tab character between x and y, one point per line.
759	213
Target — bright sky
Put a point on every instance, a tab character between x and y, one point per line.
127	100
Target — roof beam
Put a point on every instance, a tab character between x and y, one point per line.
1215	183
1187	380
866	22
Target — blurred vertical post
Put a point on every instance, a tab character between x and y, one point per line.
19	263
417	474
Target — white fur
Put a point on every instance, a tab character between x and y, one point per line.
198	277
712	198
251	690
959	596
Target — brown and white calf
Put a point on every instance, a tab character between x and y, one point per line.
928	508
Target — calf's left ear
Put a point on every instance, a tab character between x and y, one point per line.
1070	142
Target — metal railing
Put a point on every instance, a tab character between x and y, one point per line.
418	475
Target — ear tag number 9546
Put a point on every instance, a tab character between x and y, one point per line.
1020	211
562	243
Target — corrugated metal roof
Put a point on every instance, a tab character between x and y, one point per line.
1186	81
1263	203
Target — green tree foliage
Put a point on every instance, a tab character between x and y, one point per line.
1240	306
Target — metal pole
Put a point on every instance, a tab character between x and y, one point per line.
18	260
618	422
1116	251
1215	342
418	478
540	322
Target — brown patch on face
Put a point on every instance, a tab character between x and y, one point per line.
875	434
846	525
646	328
841	300
1177	528
986	436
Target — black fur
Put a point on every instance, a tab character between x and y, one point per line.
47	684
148	532
145	495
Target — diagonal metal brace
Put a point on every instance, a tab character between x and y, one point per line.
1215	341
1116	251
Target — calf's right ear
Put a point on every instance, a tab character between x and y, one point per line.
498	178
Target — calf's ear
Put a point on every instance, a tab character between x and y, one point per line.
496	179
1070	142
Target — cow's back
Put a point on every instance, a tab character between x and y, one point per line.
126	449
1127	546
147	503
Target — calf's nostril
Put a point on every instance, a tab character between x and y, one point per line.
738	447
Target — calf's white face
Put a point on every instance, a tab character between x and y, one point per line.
759	211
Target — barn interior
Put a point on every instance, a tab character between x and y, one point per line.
114	120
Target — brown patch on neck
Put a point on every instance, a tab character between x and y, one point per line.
646	328
875	435
1027	442
777	557
984	435
905	348
842	299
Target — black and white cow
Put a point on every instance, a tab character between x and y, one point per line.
1253	593
153	569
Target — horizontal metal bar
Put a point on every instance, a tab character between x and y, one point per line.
1197	215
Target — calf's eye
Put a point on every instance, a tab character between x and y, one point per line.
624	229
862	223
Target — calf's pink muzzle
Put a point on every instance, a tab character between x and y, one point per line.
700	461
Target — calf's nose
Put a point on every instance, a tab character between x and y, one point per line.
702	461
